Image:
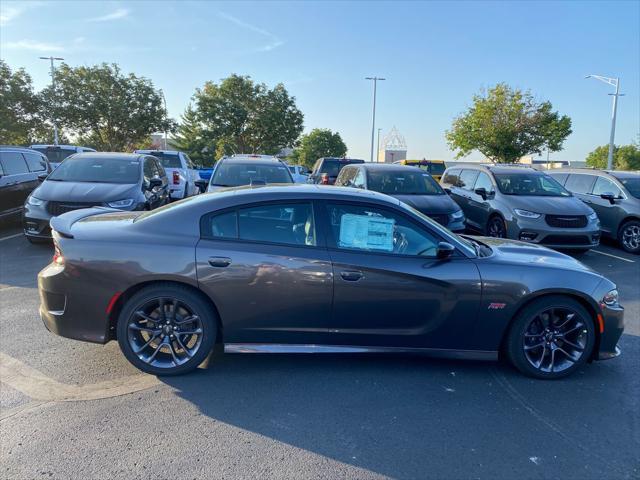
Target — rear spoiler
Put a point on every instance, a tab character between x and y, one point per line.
64	222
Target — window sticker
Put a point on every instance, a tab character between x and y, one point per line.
366	232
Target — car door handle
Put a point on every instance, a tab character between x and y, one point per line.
219	261
351	275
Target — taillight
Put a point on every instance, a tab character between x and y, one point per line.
324	179
176	177
58	258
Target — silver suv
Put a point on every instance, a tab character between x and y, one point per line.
615	196
523	204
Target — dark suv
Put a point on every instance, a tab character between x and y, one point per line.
521	203
615	196
21	171
326	169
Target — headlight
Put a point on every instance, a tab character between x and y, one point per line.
526	213
127	202
593	216
611	298
36	202
457	215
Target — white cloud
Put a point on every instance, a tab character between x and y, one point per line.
274	41
9	11
115	15
33	45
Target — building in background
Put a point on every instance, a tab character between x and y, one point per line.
393	147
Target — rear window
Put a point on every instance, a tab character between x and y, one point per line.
436	168
168	160
632	184
55	154
97	170
332	167
237	174
395	182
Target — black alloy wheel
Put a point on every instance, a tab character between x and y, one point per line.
496	227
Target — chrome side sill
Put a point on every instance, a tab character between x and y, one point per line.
312	348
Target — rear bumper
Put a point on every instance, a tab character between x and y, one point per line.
613	319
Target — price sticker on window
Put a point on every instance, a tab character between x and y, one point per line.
366	232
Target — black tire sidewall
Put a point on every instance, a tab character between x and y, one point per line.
498	218
620	232
195	302
514	347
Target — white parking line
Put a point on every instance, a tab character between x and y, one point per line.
613	256
10	237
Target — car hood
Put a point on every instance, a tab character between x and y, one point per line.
84	191
516	252
550	205
429	204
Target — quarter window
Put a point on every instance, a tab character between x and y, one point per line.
451	177
468	179
580	183
604	185
224	225
35	162
13	163
372	229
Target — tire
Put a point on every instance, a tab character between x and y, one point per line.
558	358
629	236
496	227
153	342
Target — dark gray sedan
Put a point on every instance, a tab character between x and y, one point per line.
316	269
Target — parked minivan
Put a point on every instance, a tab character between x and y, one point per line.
239	170
126	181
21	171
615	197
181	171
57	153
523	204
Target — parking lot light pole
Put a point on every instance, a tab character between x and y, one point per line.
373	124
616	83
166	113
53	84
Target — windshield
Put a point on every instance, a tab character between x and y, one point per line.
530	184
99	170
394	182
332	167
237	174
168	160
55	155
434	168
632	184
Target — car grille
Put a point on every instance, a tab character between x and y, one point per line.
441	219
566	221
567	240
58	208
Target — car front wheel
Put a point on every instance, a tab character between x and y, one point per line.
629	236
551	338
496	227
166	329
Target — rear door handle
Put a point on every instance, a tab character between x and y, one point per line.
219	261
351	275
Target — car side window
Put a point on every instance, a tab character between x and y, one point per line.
484	181
224	225
559	177
159	169
358	181
580	183
147	169
451	177
604	185
467	179
13	163
1	169
35	162
372	229
345	176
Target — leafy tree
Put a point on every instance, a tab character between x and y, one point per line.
189	138
20	107
625	157
505	124
319	143
240	116
106	109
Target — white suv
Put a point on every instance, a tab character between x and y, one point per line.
181	172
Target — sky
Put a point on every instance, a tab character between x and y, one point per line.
434	55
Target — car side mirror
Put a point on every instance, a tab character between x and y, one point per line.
482	192
202	185
608	196
155	182
41	176
445	250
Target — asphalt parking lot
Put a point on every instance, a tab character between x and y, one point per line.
73	410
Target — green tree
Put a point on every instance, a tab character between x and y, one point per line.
241	116
505	124
319	143
189	138
105	108
625	157
20	107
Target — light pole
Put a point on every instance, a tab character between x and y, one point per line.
373	124
378	150
53	84
616	83
166	113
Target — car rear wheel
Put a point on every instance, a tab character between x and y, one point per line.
551	338
629	236
166	330
496	227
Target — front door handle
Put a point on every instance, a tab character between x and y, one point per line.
351	275
219	261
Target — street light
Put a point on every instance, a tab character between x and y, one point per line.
373	125
616	83
53	84
166	114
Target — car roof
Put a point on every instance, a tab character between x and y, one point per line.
110	155
495	168
163	152
596	171
61	147
20	149
386	167
342	159
248	160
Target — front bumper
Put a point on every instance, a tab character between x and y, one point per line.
613	323
35	221
538	232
